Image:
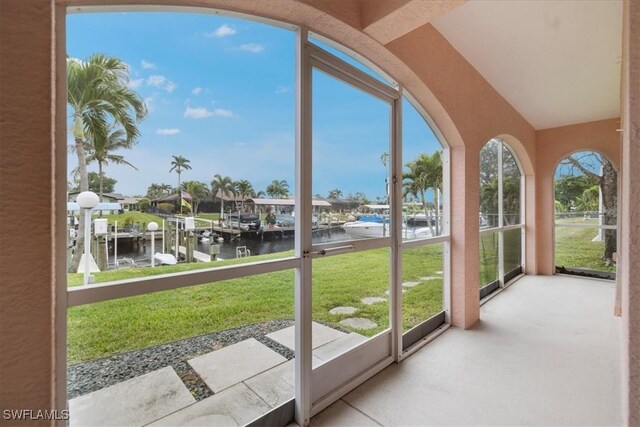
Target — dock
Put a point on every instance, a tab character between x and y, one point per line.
197	255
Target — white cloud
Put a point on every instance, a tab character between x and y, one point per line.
220	112
197	113
172	131
251	47
202	113
146	65
161	82
223	30
135	84
197	91
283	89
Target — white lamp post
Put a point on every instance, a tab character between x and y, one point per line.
152	227
87	200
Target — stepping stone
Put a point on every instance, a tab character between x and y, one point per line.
230	365
343	310
372	300
358	323
387	292
320	335
428	278
410	284
339	346
277	385
235	406
137	401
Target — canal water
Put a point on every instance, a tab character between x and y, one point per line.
141	257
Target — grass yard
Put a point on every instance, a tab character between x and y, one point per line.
209	216
488	258
110	327
574	248
130	218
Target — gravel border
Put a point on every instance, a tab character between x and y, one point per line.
97	374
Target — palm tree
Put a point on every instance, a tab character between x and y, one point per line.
100	99
425	172
178	164
198	191
156	191
384	159
223	186
102	153
336	193
278	189
244	189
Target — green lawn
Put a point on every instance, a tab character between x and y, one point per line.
110	327
130	218
574	248
209	216
488	258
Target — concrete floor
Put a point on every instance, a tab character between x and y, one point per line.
546	352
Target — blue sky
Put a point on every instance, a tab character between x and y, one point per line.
220	93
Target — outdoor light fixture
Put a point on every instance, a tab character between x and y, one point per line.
153	227
87	200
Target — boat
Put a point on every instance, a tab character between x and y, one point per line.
207	236
371	225
165	259
420	233
369	229
244	221
366	229
422	219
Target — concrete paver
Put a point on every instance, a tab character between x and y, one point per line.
234	406
343	310
339	346
358	323
373	300
321	335
134	402
230	365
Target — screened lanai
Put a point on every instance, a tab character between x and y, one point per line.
348	319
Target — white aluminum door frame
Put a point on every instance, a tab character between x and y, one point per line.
345	372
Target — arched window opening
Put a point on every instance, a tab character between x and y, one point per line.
585	188
425	216
501	223
237	195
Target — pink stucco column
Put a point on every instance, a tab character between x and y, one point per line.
630	214
465	235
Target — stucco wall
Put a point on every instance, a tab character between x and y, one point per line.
630	218
553	145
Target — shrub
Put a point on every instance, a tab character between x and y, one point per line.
143	205
167	207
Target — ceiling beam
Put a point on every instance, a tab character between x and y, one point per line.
388	20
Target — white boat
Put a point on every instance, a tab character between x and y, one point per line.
365	229
369	230
420	233
165	259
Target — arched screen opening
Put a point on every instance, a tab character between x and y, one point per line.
501	223
585	188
